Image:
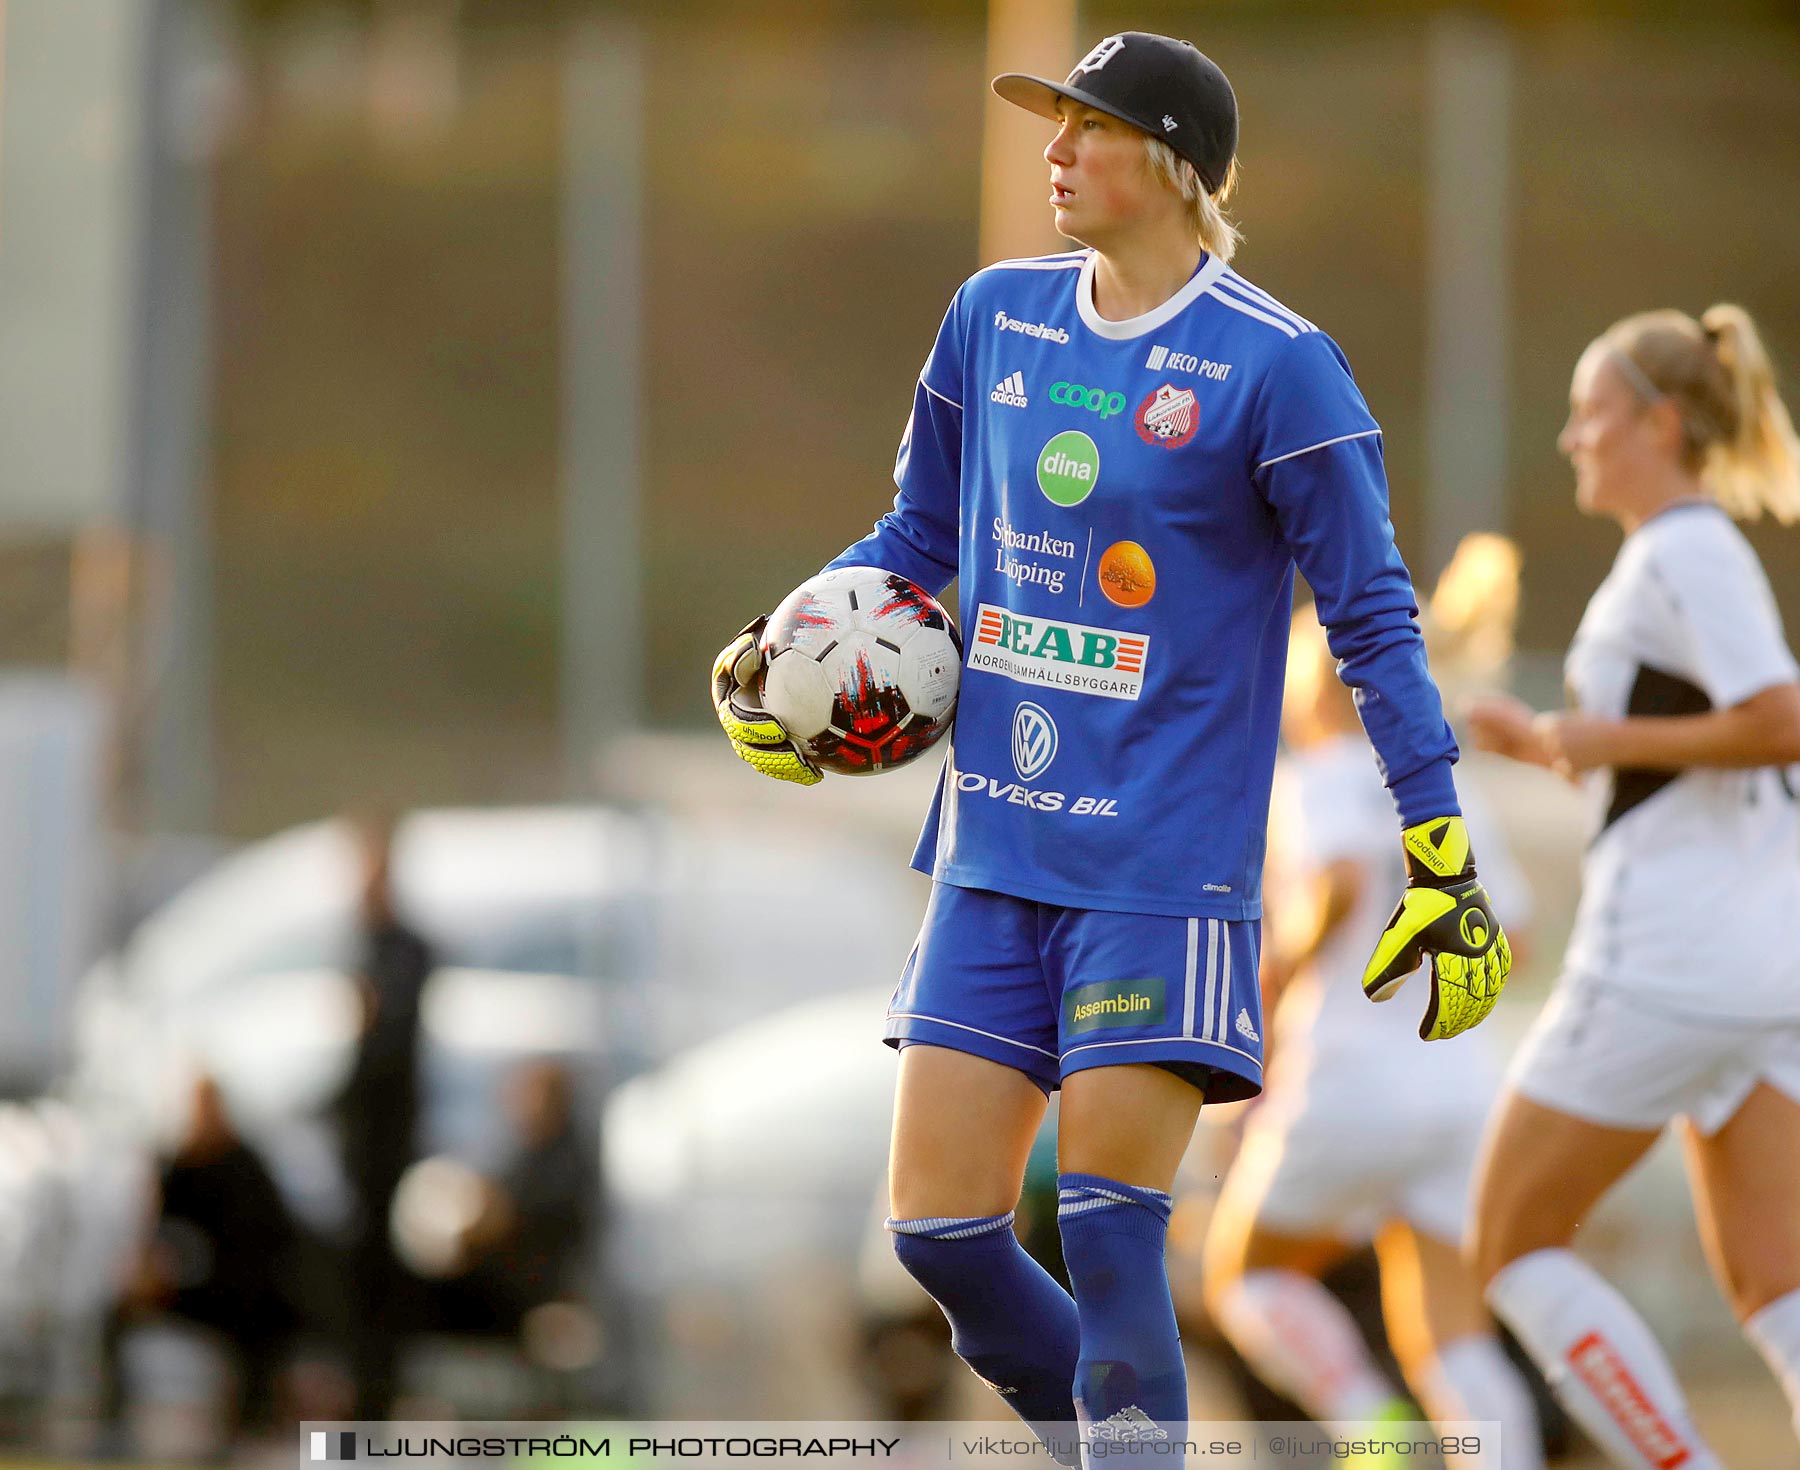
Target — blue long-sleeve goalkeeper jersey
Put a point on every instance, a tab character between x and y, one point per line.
1124	503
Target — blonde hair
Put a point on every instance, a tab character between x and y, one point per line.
1469	621
1218	235
1735	430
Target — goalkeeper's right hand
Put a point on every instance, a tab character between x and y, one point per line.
755	734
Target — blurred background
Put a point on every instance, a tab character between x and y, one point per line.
403	399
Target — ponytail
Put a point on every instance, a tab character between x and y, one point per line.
1735	430
1757	468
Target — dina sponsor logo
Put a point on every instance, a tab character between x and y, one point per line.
1116	1003
1059	655
1068	468
1040	330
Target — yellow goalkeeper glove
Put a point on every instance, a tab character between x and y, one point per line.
1444	914
755	734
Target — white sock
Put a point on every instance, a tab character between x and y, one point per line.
1600	1359
1775	1333
1472	1378
1302	1342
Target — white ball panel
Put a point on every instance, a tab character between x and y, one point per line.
798	692
930	672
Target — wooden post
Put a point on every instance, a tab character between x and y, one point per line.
1036	36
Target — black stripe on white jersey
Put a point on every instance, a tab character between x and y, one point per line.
1653	692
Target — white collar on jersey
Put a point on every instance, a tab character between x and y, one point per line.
1210	270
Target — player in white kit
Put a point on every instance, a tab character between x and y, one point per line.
1361	1133
1680	995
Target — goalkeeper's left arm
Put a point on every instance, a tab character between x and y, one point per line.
1365	599
1320	469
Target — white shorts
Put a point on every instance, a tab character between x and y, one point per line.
1597	1054
1336	1157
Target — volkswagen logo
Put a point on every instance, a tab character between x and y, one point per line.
1033	741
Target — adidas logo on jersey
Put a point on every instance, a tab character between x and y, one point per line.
1011	392
1245	1029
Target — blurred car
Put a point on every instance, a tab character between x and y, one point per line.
621	936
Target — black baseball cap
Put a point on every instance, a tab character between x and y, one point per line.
1164	86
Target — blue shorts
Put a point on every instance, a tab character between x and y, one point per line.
1053	990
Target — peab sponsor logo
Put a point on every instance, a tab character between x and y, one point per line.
1010	391
1041	330
1034	741
1162	360
1059	655
1117	1003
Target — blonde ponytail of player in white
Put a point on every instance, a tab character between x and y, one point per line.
1470	618
1736	432
1218	235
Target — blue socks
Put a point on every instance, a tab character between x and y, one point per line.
1009	1320
1130	1381
1111	1358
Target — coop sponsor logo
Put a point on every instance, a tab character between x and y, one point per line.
1117	1003
1012	550
1161	360
1007	323
1016	793
1094	400
1059	655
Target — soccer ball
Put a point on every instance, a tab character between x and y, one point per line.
861	667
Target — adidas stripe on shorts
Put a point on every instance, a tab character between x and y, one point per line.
1052	990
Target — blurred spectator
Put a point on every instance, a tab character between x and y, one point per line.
377	1114
220	1253
532	1244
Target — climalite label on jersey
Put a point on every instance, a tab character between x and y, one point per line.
1084	660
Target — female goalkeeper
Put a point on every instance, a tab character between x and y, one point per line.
1121	452
1680	994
